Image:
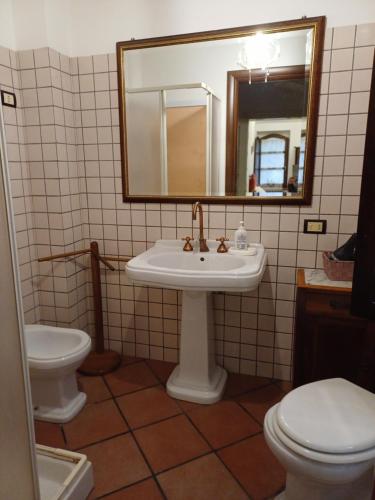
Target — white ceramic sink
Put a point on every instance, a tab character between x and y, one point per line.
197	377
167	265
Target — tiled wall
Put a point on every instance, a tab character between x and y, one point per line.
77	198
21	185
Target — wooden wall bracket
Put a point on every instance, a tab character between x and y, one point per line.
101	360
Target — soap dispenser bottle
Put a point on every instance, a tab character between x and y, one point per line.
240	237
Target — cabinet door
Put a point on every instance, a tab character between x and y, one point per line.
333	348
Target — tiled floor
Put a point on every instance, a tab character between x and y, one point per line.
146	446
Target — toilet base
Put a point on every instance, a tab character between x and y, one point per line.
55	396
300	487
61	415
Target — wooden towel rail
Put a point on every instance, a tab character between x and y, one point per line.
101	360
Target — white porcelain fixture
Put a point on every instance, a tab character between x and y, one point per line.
54	354
197	378
323	434
63	475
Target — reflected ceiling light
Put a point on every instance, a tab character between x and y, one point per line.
259	51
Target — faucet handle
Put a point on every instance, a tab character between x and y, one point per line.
222	248
188	246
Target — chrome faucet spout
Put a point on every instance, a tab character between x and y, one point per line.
197	207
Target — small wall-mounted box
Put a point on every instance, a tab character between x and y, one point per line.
8	99
315	226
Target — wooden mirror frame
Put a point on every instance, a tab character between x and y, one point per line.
315	23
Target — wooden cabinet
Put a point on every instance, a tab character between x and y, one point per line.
329	341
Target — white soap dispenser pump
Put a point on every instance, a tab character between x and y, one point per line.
240	237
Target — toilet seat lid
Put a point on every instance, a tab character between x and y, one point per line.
331	416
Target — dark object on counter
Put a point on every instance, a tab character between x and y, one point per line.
292	185
252	183
347	251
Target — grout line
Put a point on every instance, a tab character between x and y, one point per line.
136	442
106	495
215	451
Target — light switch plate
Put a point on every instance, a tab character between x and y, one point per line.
8	99
315	226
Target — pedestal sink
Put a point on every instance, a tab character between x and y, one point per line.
197	377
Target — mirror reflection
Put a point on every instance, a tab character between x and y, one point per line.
269	132
221	117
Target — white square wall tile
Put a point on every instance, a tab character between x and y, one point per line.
365	34
289	222
100	63
328	38
338	104
270	222
288	240
355	144
287	257
361	80
41	57
324	83
333	165
306	258
357	124
330	204
336	124
350	205
326	61
335	145
340	82
331	185
348	224
343	37
363	57
359	102
323	103
352	185
342	59
85	65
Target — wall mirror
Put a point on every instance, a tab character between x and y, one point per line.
226	116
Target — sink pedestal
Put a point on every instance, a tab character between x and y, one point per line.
197	378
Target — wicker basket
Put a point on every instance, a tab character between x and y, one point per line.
338	270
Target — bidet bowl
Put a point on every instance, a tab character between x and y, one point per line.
54	349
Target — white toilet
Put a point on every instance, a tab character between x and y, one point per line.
323	434
54	354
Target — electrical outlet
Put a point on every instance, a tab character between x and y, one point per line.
315	226
8	99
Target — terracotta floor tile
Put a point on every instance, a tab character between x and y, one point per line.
258	402
95	389
129	360
147	406
188	405
162	369
253	464
285	385
239	384
130	378
146	490
116	463
49	434
203	479
95	422
170	443
224	423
